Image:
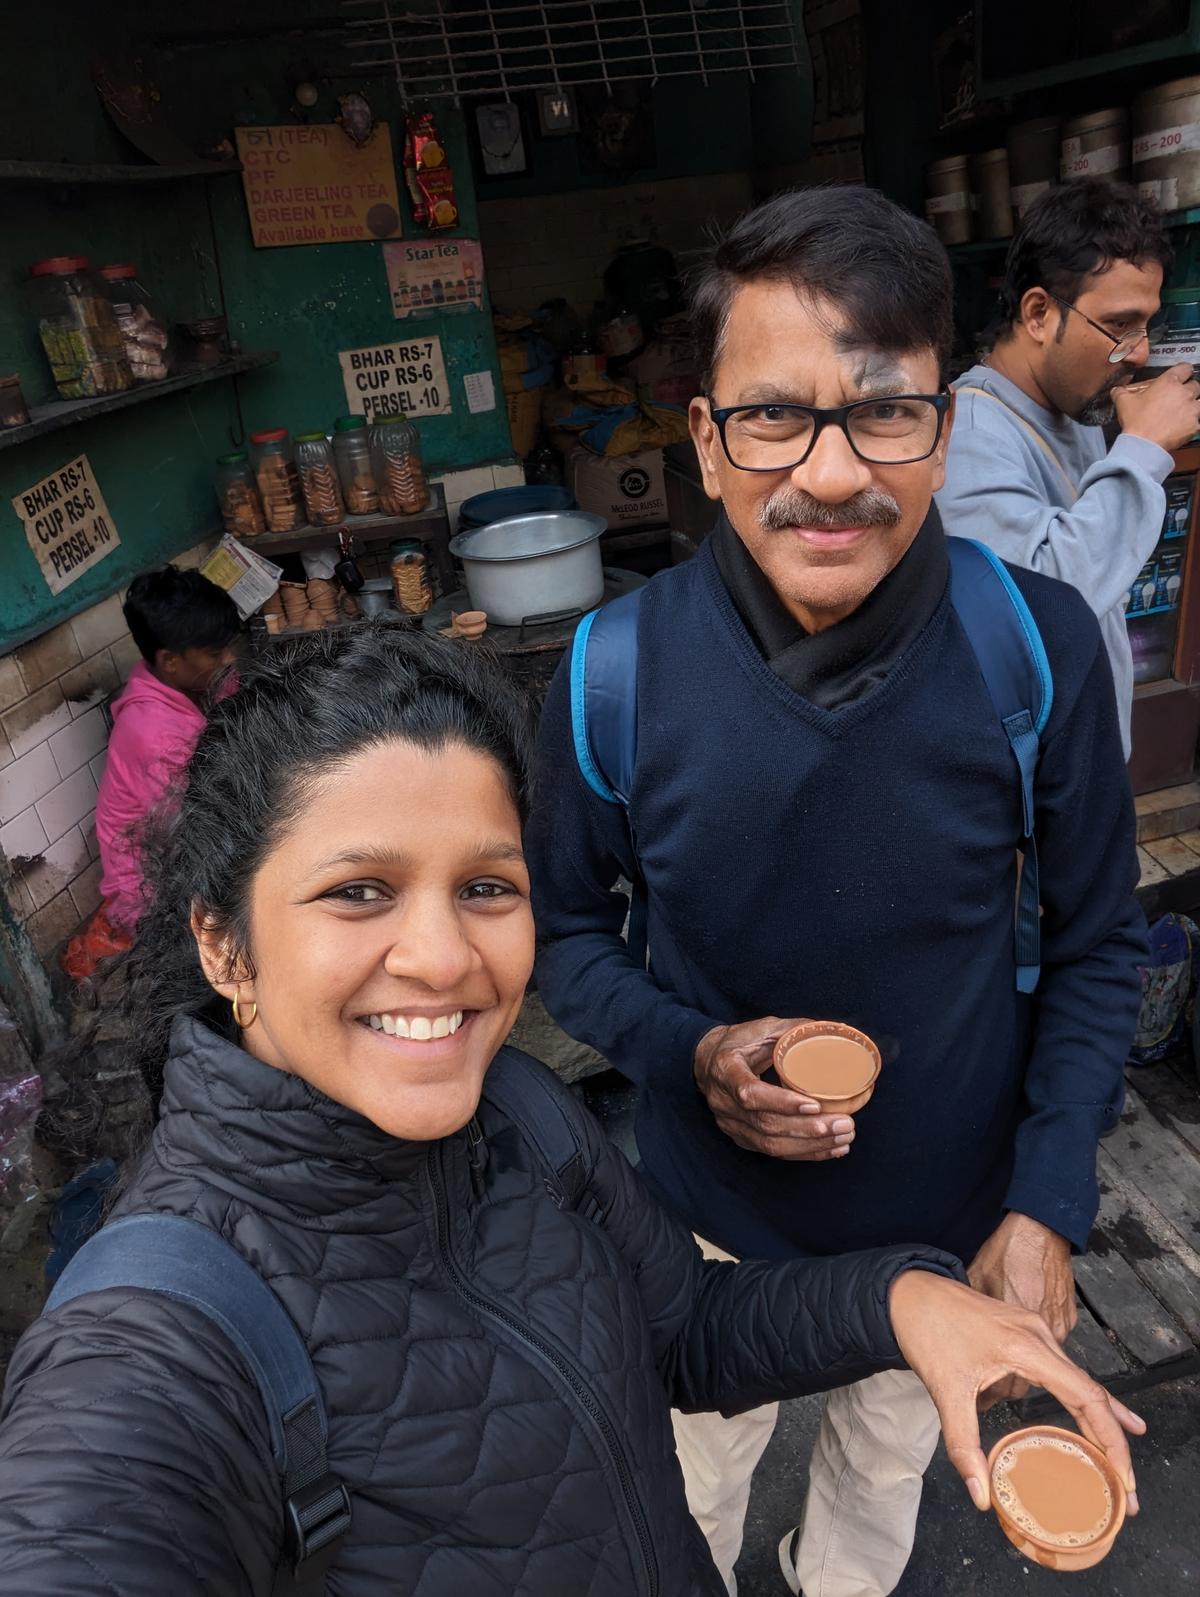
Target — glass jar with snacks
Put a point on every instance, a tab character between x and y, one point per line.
78	329
410	577
396	458
277	478
319	480
13	411
352	454
147	345
237	494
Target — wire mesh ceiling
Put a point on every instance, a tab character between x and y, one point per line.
456	49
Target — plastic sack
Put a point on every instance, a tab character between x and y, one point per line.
1167	983
607	419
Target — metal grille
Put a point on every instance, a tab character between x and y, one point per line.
456	49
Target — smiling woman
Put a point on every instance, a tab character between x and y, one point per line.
340	941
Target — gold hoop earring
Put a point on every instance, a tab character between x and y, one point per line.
238	1020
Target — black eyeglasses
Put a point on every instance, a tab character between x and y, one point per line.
896	430
1123	344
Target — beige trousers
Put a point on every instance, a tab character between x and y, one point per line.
860	1516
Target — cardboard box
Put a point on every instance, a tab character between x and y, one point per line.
627	490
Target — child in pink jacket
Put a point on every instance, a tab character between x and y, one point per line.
185	627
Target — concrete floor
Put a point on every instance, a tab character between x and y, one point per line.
960	1553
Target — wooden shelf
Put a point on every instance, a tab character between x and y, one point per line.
72	172
67	412
376	528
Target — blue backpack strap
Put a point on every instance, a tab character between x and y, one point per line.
190	1263
604	656
1012	658
545	1109
604	664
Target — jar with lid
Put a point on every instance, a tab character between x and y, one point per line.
1033	155
410	577
237	493
277	478
352	455
319	480
948	199
1096	145
78	329
147	344
994	194
13	411
1166	144
396	458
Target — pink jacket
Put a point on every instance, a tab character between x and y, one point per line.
155	729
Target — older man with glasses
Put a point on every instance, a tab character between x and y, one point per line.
823	819
1029	472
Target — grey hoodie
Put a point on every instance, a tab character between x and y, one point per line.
1091	520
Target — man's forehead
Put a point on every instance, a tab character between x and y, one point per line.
1124	284
776	334
873	369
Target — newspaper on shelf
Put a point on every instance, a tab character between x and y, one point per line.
247	578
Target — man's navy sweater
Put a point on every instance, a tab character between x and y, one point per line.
858	865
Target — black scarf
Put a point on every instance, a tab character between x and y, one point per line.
843	663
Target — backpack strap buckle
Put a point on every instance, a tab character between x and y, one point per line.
316	1516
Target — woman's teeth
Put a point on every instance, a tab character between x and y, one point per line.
420	1028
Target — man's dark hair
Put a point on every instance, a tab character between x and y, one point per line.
883	268
178	610
1076	229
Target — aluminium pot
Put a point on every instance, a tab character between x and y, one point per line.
531	566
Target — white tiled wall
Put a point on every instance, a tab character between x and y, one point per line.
462	485
52	749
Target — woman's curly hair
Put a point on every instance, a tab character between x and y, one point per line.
300	710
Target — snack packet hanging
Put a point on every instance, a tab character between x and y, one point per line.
430	180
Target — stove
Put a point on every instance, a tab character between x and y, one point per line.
533	649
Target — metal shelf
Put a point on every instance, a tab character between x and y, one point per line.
995	246
73	172
486	48
375	528
66	412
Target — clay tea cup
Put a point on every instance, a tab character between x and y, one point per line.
1057	1497
834	1064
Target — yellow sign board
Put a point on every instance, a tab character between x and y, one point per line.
67	523
310	184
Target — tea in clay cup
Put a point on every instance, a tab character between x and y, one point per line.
827	1061
1057	1497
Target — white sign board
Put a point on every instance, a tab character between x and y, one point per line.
396	379
67	523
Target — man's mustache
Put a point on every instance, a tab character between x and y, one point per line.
792	507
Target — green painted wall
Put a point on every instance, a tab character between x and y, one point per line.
308	302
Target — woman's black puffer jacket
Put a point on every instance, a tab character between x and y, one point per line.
134	1449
